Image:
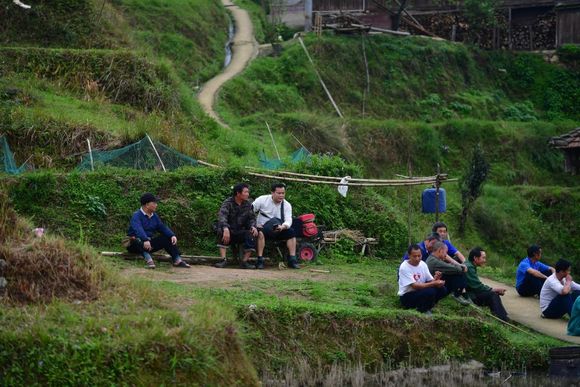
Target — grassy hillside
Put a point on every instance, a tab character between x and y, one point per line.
125	68
112	71
428	102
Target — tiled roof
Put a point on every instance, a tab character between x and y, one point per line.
568	140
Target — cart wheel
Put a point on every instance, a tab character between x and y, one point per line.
307	252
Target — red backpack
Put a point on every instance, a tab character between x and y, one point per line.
309	228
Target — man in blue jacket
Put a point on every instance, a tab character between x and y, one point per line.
532	273
144	226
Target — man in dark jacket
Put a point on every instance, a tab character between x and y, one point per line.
237	224
479	293
143	227
452	273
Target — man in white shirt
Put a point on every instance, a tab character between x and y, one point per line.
559	292
417	287
274	223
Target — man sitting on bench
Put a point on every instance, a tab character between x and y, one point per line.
237	224
275	221
144	224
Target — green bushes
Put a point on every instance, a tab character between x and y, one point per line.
97	206
321	336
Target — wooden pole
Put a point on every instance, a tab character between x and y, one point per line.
428	179
273	142
398	183
157	153
302	145
208	164
91	155
437	185
409	171
320	78
366	90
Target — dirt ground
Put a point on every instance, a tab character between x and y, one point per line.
207	276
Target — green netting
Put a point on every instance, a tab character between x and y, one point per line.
300	154
140	155
7	162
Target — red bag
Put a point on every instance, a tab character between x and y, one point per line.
309	228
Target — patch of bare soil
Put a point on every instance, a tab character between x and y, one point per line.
207	276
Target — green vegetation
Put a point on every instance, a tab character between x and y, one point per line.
112	71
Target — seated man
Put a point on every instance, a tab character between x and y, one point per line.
144	224
532	273
426	246
275	221
452	273
417	287
559	292
452	252
479	293
237	224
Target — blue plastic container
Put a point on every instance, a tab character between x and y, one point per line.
428	199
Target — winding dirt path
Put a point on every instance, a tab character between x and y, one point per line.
526	311
244	49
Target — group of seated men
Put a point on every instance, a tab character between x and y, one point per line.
430	270
559	294
434	269
237	224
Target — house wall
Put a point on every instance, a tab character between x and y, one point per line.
568	25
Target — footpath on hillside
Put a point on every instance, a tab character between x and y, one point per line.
244	49
526	311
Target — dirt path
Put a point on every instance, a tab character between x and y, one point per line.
526	311
244	49
208	276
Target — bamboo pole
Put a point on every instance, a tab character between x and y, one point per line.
426	179
398	183
157	153
273	142
367	89
320	79
91	155
302	145
208	164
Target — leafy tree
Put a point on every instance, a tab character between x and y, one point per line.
472	183
481	15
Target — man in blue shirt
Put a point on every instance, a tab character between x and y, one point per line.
532	273
143	227
452	252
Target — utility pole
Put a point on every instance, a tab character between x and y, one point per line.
308	15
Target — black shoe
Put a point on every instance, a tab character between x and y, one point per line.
292	264
246	265
221	264
260	263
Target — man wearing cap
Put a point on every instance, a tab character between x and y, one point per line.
237	224
275	221
144	224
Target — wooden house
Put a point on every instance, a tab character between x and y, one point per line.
570	145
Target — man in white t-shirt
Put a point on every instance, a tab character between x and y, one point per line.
559	292
275	223
417	287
